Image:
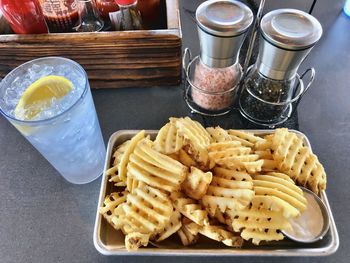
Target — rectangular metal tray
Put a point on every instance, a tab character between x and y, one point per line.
108	241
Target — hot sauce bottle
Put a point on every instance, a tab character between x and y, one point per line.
61	15
24	17
150	12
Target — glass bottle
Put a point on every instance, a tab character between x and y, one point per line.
4	25
24	17
150	13
61	15
130	16
89	19
104	7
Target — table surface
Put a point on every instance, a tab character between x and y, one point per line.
45	219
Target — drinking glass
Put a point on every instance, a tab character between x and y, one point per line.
347	8
69	139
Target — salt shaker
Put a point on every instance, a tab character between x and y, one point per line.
214	75
272	88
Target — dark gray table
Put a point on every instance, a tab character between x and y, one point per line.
45	219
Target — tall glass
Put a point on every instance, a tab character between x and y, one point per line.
70	140
347	8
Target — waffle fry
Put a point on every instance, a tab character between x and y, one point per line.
308	171
125	157
196	183
147	210
172	227
189	208
218	134
264	144
135	240
168	140
261	235
258	218
119	152
155	169
214	232
258	223
110	203
133	183
232	174
191	226
269	164
113	171
121	221
240	186
186	234
245	138
277	192
233	155
276	200
218	233
174	156
280	187
227	193
196	137
264	154
297	161
186	159
285	143
219	216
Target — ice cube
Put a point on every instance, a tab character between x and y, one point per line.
37	71
15	90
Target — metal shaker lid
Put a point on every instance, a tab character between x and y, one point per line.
225	18
290	29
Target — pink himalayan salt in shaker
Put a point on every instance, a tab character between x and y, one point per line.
217	86
222	26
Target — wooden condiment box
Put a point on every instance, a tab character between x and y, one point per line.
111	59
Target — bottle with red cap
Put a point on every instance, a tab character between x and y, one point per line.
61	15
130	16
24	17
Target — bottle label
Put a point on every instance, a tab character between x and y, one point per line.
60	15
116	20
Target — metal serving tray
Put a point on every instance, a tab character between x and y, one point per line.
108	241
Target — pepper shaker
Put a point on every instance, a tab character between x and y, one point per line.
272	84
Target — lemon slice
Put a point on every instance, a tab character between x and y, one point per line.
39	95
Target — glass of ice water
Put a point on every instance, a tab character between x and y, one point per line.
67	133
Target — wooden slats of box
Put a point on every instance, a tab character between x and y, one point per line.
111	59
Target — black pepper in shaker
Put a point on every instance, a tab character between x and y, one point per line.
286	38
